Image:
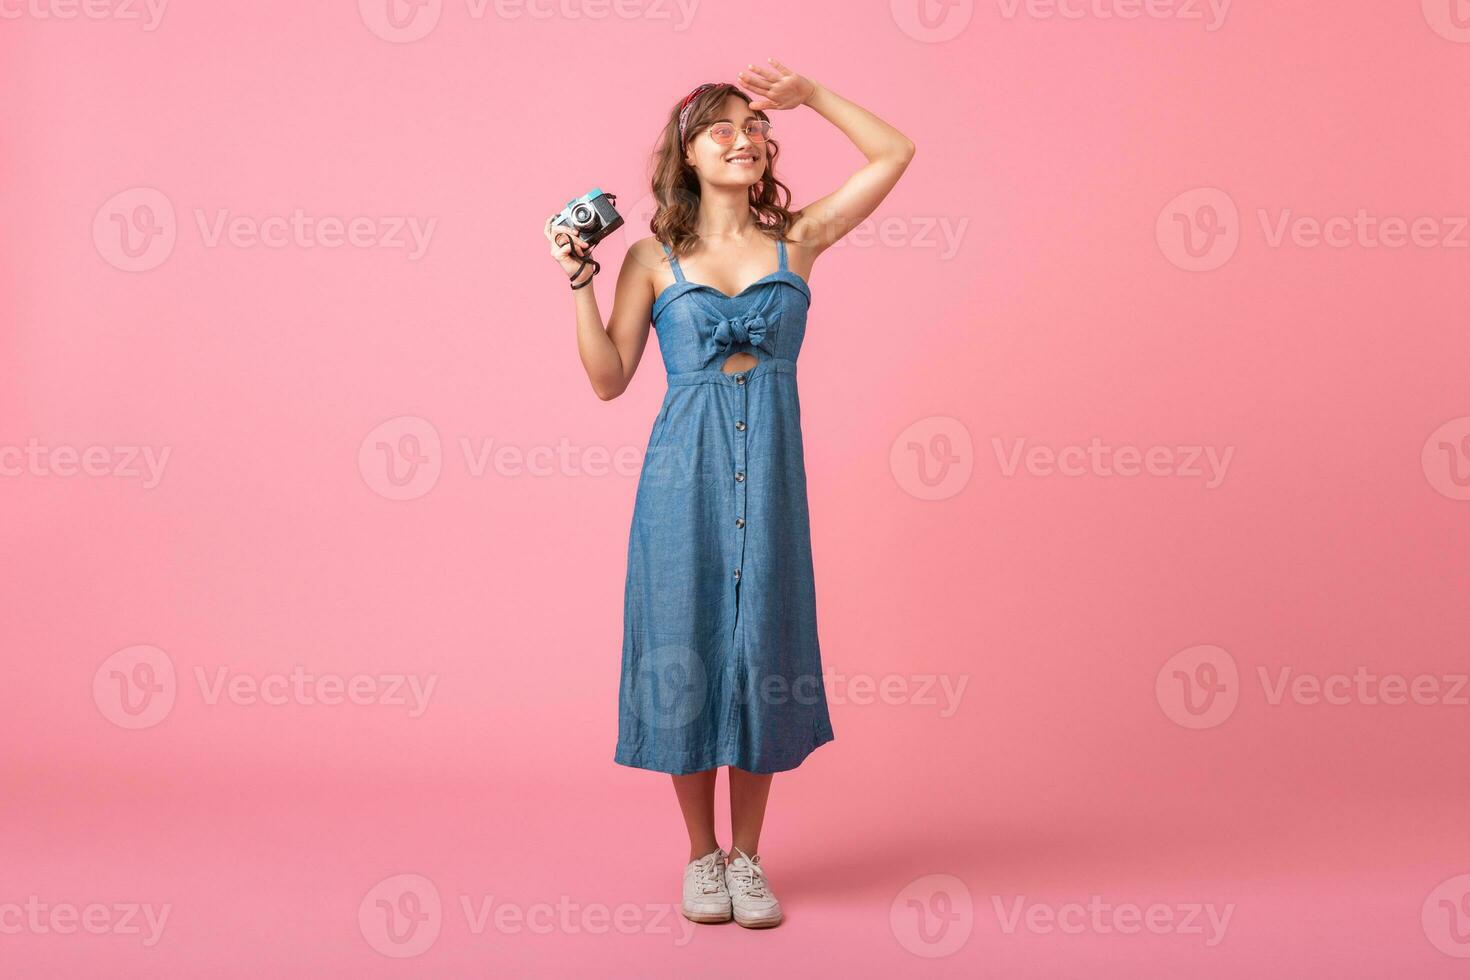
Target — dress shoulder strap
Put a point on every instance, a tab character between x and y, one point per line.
674	264
781	250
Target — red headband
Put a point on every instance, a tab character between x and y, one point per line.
688	101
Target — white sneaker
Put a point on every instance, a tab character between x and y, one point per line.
706	898
754	904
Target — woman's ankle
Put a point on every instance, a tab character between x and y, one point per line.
748	851
697	851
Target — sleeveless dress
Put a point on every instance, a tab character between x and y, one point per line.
721	663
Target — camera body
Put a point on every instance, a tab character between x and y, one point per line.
592	216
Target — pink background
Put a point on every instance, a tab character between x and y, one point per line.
1070	307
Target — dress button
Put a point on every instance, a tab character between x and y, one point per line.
739	522
739	426
737	574
739	476
740	379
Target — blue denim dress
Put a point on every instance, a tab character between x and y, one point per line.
721	664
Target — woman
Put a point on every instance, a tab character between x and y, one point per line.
721	665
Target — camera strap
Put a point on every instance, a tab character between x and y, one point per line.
583	262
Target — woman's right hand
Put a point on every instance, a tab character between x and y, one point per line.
566	255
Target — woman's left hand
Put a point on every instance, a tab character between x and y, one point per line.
777	87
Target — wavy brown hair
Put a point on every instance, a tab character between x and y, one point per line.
676	185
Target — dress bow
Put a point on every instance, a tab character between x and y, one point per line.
747	329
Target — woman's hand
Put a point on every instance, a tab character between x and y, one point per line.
565	255
778	87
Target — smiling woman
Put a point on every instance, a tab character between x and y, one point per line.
719	128
721	663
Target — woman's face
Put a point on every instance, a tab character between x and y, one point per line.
739	164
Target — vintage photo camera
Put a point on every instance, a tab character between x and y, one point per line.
592	216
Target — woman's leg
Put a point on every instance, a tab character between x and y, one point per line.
696	793
748	795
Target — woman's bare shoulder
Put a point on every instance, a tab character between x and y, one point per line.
647	250
646	256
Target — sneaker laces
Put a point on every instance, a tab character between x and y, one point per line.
748	876
707	874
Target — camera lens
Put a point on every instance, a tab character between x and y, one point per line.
582	214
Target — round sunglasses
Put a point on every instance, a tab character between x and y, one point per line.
755	130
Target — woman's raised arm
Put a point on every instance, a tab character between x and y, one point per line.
827	219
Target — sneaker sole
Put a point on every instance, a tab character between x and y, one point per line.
760	923
708	918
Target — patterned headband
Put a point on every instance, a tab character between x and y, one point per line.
685	106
